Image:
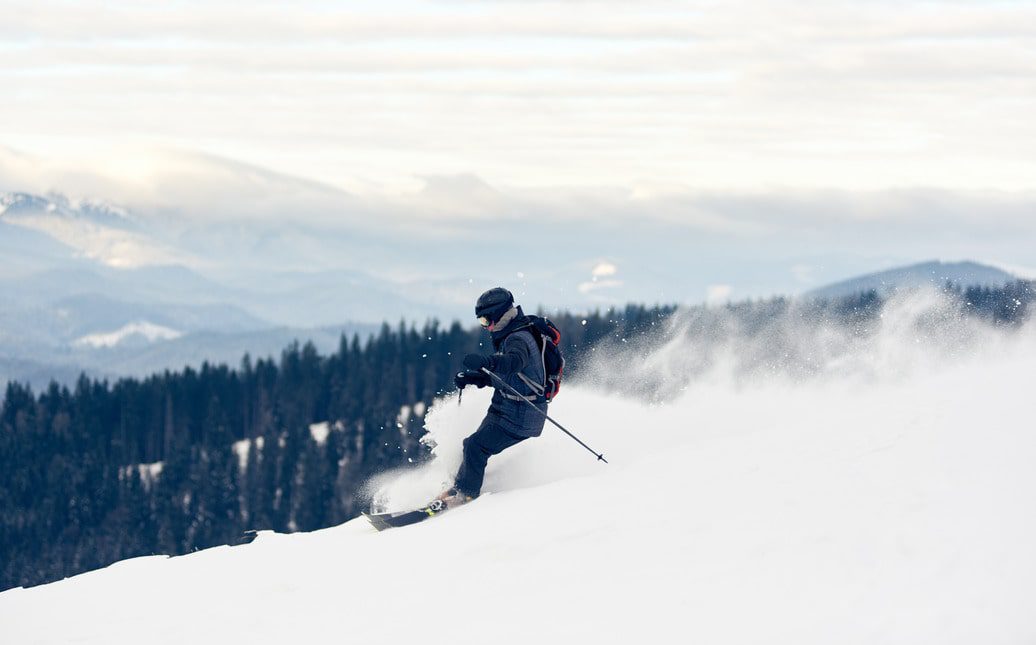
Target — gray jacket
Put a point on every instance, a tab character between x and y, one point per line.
520	364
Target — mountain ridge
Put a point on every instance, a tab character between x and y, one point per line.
932	273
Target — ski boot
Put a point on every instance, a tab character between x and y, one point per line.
449	498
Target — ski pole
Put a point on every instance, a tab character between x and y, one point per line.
600	456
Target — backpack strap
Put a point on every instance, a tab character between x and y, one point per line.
532	398
537	388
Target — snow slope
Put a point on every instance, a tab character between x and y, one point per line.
886	505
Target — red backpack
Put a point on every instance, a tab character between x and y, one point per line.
548	340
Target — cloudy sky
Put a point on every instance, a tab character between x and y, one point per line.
753	129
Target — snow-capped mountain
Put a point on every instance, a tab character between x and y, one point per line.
90	286
16	205
925	274
92	229
283	272
891	509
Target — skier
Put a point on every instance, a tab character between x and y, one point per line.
510	420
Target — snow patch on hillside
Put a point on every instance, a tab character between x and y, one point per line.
149	332
241	450
320	431
148	473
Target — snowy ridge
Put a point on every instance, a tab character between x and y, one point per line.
926	274
95	229
25	204
891	508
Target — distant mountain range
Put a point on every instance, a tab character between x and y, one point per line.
85	285
934	273
56	248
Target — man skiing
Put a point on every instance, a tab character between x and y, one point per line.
525	369
517	361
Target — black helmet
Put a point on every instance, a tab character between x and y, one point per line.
493	304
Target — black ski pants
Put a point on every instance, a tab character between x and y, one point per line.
490	439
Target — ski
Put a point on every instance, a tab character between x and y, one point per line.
382	521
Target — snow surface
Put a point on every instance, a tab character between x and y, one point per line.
896	508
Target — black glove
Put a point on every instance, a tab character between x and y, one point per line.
478	379
476	362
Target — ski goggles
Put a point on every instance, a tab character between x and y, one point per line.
485	322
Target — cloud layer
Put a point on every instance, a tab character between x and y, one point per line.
710	95
623	244
695	147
